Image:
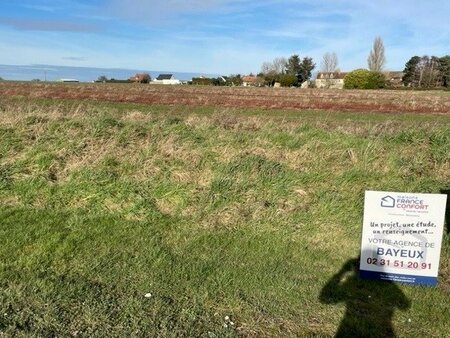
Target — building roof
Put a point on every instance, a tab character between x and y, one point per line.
331	75
249	78
165	77
394	74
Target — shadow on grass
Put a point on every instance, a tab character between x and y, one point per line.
370	304
447	210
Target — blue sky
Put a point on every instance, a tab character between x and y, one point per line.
217	36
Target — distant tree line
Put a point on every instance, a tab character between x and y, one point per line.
290	72
231	80
420	72
204	81
138	78
427	72
104	79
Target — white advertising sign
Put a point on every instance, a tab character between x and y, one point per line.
402	236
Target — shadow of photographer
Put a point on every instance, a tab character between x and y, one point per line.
370	304
447	209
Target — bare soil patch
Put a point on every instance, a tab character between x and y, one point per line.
238	97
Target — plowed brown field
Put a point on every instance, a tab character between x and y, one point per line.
292	98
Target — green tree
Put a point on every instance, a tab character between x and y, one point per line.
364	79
306	67
444	69
301	70
293	69
293	65
146	78
271	71
287	80
234	80
102	78
425	71
219	81
202	81
410	71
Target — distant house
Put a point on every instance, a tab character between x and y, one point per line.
251	80
141	78
334	80
166	79
394	78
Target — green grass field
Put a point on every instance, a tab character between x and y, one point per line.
126	220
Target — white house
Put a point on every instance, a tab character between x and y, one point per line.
68	80
166	79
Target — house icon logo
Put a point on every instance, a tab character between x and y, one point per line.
388	202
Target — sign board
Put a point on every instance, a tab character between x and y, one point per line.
402	236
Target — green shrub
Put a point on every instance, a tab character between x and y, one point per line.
202	81
288	80
364	79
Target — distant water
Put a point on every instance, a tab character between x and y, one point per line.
83	74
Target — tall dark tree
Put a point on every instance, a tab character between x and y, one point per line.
306	67
444	69
293	65
293	69
410	71
427	71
